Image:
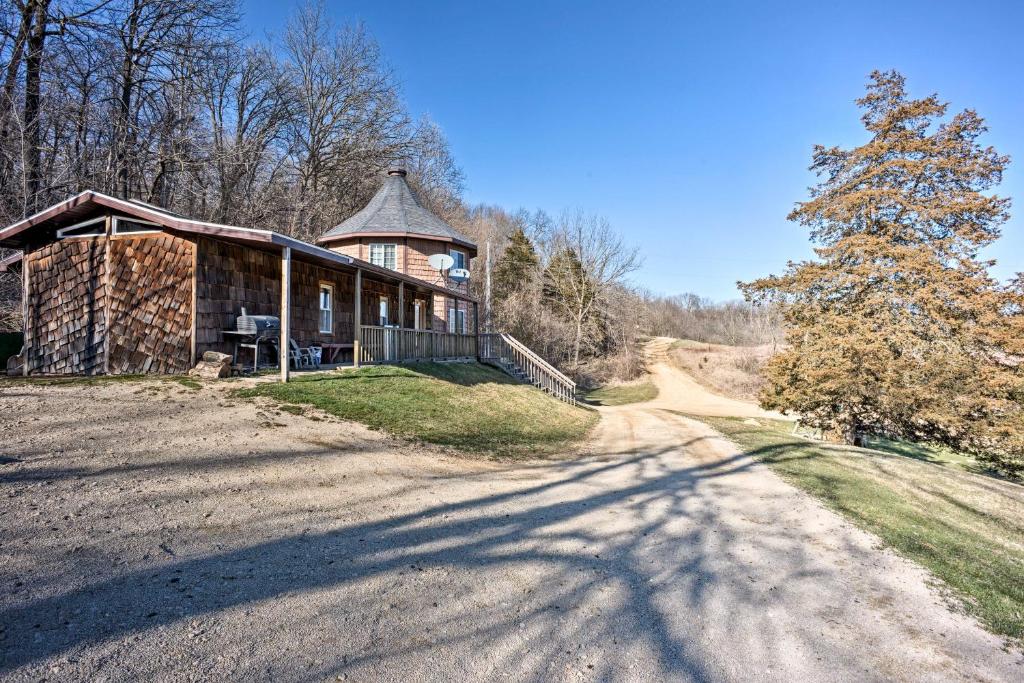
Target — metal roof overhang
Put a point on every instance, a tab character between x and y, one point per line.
83	205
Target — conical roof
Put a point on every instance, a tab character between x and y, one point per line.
395	209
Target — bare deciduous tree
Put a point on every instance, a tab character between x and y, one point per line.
588	260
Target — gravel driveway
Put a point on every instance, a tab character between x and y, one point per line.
152	532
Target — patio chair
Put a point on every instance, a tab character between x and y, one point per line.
301	357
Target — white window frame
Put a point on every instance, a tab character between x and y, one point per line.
417	313
383	246
460	320
62	233
330	308
117	222
462	255
451	319
382	311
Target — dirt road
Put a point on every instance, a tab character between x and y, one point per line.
176	535
678	391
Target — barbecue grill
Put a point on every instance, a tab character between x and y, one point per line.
252	330
258	325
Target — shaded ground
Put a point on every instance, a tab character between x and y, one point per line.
169	533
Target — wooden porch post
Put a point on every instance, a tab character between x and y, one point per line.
286	312
401	319
476	329
107	230
26	338
193	351
357	318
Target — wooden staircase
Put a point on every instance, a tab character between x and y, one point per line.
508	354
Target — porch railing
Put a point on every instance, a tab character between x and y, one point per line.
398	344
512	356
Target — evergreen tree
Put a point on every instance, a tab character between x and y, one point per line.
897	328
516	268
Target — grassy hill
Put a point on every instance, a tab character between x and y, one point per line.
467	406
730	371
622	394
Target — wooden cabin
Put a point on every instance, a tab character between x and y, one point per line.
115	286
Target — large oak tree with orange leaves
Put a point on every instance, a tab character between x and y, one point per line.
897	328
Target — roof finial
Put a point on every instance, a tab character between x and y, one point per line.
397	170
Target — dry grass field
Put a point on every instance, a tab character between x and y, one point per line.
731	371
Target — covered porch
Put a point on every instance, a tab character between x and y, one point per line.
388	317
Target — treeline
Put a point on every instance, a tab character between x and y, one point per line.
560	284
735	323
167	101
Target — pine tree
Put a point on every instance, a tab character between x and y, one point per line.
897	328
516	268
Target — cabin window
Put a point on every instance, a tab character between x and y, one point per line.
124	226
91	228
459	257
383	311
384	255
326	309
456	321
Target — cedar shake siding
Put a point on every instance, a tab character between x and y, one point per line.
128	301
110	305
150	294
353	249
442	304
411	254
418	251
230	277
372	293
65	324
305	309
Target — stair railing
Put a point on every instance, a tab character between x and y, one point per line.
500	349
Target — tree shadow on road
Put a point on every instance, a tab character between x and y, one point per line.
581	579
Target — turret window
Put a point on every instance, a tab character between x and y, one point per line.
384	255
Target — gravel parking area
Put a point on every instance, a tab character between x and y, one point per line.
156	532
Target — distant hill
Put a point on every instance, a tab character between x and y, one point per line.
731	371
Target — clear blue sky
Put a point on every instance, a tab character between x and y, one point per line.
688	125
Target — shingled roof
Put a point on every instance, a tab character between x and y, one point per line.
395	210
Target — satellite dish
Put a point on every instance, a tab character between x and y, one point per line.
441	261
458	275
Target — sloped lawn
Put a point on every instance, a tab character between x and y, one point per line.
623	394
467	406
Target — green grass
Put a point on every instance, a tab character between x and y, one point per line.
622	394
939	455
966	528
462	405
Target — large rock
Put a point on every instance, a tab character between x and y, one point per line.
212	366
